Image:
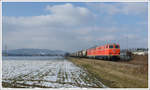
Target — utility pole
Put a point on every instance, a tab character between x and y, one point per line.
127	40
6	52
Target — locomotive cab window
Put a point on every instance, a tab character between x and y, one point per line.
107	46
116	46
110	46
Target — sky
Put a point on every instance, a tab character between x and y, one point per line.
74	26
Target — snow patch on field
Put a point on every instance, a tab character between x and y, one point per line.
59	73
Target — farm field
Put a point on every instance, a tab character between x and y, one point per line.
49	73
117	74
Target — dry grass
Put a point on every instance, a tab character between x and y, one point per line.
131	74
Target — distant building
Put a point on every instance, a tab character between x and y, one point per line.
140	51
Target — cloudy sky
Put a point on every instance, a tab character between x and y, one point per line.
74	26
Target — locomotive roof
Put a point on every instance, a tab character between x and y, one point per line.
98	46
103	45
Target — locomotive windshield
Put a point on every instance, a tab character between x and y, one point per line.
116	46
110	46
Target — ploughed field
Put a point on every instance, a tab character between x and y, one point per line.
50	73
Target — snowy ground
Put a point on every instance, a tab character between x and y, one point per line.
56	73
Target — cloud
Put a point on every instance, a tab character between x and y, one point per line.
68	9
53	31
60	15
69	27
121	8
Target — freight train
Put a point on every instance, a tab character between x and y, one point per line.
107	52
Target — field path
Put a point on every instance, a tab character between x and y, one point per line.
58	73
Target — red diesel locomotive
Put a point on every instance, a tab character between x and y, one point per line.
108	51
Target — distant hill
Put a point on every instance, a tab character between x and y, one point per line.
33	52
